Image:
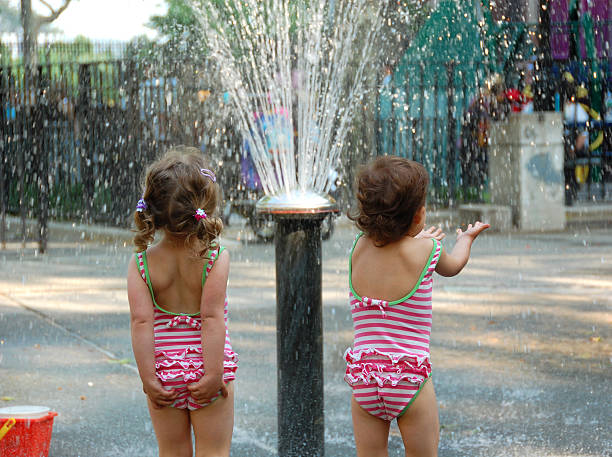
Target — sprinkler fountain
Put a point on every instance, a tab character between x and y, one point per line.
294	72
299	319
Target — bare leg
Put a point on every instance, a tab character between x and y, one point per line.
371	432
420	425
172	430
213	426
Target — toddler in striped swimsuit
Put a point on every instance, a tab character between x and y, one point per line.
178	307
391	269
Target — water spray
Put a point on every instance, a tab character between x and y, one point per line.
295	67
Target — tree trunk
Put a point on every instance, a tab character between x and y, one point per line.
29	35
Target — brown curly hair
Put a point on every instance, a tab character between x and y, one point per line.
174	189
390	191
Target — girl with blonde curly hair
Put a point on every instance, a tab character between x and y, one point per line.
178	307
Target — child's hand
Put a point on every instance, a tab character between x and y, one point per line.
159	396
473	230
431	232
207	388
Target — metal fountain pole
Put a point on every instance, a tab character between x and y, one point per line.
299	321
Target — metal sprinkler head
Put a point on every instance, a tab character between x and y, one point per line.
297	203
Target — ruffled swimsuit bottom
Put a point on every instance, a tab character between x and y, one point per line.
385	384
178	356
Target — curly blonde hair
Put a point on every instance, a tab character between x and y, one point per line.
174	189
390	191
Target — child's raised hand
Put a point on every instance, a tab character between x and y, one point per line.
207	388
472	230
159	396
431	232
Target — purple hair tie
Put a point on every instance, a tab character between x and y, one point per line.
209	174
141	205
200	214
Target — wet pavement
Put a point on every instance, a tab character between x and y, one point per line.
521	345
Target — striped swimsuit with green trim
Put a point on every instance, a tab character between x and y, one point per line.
178	342
389	362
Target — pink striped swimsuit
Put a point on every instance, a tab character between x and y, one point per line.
178	343
389	362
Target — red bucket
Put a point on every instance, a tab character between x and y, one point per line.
25	431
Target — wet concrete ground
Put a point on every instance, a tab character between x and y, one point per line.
521	346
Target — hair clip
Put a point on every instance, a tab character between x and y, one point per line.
209	174
141	205
200	214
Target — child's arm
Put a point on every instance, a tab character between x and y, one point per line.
452	263
213	333
143	342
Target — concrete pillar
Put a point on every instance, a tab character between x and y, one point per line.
526	169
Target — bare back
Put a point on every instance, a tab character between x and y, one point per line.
176	277
389	272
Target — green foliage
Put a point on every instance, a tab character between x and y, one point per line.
10	19
404	19
471	194
83	44
5	54
66	201
180	29
80	50
140	49
179	20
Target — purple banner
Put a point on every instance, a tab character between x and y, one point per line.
609	33
559	29
599	10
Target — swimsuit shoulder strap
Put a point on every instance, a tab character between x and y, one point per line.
426	273
359	235
436	250
213	254
143	268
140	263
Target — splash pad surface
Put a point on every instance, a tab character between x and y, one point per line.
509	354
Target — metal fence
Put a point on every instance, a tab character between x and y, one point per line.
440	114
75	140
60	51
421	118
75	137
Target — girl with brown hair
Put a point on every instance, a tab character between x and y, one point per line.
391	271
